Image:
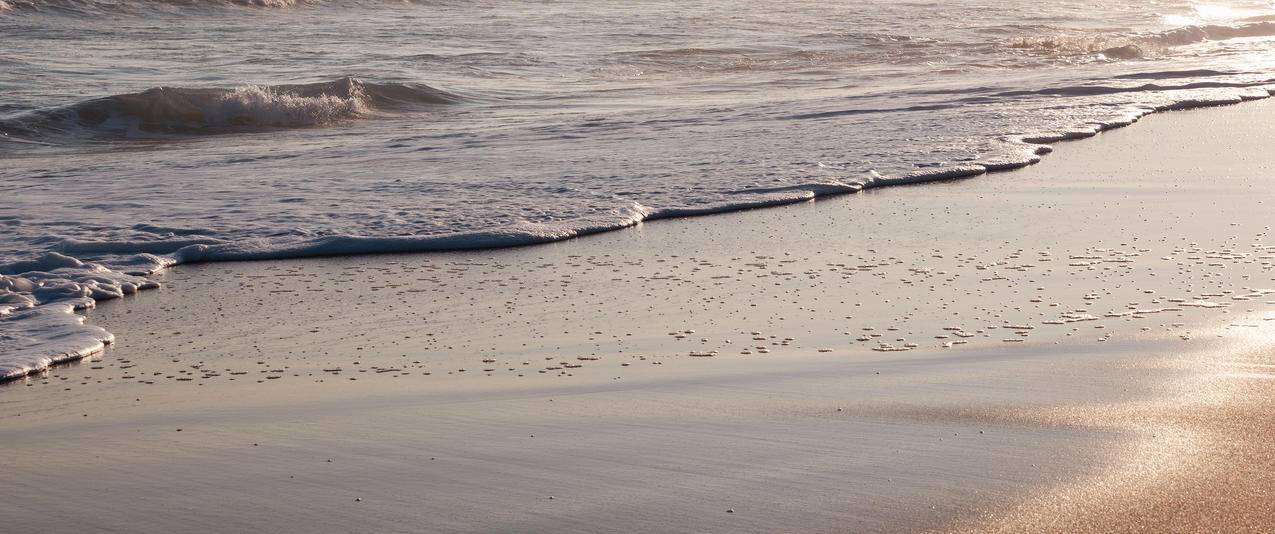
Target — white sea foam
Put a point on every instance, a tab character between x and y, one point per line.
254	105
35	339
38	300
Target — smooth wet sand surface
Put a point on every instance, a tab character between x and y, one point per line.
1081	345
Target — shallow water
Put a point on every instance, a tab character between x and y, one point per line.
138	134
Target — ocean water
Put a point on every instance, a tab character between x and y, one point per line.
137	134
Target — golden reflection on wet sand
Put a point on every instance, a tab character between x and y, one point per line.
1198	459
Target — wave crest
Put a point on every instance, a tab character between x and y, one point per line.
168	110
1140	45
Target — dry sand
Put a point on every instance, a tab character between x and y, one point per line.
1081	345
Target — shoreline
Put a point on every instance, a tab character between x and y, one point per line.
337	246
676	411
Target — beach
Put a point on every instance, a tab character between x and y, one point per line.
1080	345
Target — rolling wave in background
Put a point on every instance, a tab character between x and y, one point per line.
195	111
140	134
1137	46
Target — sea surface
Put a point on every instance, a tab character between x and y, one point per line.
138	134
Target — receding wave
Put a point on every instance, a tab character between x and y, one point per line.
176	110
1134	46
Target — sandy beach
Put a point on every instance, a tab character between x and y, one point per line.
1081	345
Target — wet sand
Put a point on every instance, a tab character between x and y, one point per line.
1080	345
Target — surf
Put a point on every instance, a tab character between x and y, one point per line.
204	111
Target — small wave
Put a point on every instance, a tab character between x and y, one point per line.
1172	74
169	110
735	59
1122	47
1096	90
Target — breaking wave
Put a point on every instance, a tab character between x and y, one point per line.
176	110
